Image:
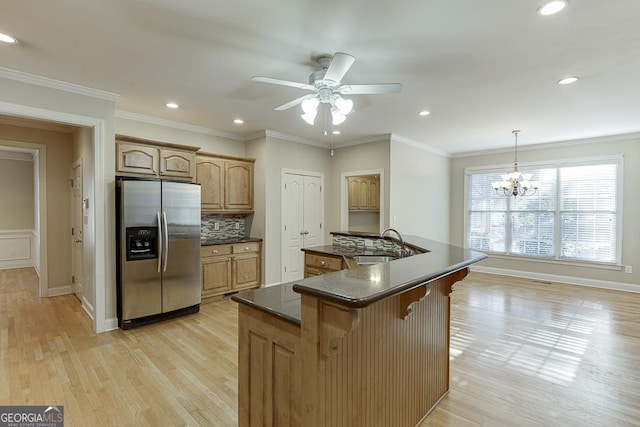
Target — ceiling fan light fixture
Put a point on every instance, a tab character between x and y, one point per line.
310	106
345	106
309	118
551	7
337	116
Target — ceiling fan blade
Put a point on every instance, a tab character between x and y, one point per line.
295	102
282	82
339	66
372	89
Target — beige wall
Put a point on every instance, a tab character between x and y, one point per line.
629	148
58	159
374	155
420	192
16	194
272	155
82	149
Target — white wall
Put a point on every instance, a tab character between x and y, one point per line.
629	148
420	192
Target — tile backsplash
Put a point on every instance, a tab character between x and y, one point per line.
377	244
229	226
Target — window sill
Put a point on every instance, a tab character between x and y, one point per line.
582	264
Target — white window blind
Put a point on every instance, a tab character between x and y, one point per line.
573	215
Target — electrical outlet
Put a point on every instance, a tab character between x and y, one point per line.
216	225
628	269
237	225
368	243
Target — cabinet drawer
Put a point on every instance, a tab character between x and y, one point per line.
214	250
240	248
324	262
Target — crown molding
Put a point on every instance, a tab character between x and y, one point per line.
423	147
21	76
286	137
176	125
366	140
547	145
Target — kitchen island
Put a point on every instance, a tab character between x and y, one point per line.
364	346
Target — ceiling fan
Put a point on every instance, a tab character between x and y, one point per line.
327	87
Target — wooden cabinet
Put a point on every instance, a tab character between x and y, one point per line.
230	268
227	183
364	193
316	264
143	158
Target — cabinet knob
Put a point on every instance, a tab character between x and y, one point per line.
215	251
246	248
322	263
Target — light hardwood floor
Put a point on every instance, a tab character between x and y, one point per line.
523	354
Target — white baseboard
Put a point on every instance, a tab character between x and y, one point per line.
59	290
110	324
265	285
604	284
7	265
87	307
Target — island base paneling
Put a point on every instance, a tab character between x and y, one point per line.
386	364
268	363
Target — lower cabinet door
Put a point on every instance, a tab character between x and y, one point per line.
246	270
216	275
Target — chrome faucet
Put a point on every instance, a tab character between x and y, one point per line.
403	253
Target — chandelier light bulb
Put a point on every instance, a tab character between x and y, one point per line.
309	118
310	106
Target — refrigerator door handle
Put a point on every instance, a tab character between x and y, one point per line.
166	240
159	241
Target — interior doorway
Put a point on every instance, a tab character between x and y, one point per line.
362	194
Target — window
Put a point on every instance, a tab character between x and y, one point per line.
573	216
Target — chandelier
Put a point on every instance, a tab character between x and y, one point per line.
340	107
516	183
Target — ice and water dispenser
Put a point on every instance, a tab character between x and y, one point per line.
142	243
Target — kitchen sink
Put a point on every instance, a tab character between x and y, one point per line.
372	259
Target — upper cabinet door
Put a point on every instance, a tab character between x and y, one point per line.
374	193
136	159
179	164
210	175
238	185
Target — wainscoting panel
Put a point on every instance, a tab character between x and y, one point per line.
16	248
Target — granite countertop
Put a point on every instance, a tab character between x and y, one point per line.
365	285
228	240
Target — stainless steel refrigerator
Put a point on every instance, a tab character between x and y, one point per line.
158	250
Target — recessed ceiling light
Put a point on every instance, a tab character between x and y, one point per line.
424	113
6	38
336	132
568	80
551	7
238	121
172	105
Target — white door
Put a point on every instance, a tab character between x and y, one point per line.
302	219
77	248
